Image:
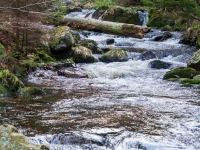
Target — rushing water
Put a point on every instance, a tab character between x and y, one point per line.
121	106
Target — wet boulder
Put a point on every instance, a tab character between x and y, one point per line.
165	36
61	39
92	45
114	55
158	64
121	14
73	73
81	54
180	73
194	60
11	138
147	55
110	41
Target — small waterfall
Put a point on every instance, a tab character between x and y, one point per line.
144	17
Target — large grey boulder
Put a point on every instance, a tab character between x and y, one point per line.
61	39
12	139
73	73
194	61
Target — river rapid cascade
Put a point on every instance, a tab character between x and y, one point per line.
121	106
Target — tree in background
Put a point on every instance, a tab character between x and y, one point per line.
22	22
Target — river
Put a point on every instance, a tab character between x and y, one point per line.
121	106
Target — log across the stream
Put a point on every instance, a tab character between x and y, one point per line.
123	29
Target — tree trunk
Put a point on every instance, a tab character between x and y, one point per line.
129	30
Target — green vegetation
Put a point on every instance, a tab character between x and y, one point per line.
103	4
180	73
2	51
10	81
27	91
190	81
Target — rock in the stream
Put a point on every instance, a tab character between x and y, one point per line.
76	139
194	61
61	39
92	45
180	73
147	55
12	139
73	73
110	41
158	64
163	37
114	55
81	54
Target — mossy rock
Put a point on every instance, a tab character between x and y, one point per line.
10	81
61	39
180	73
194	60
27	91
114	55
92	45
190	81
12	139
121	14
81	54
173	79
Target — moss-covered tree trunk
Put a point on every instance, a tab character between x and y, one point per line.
129	30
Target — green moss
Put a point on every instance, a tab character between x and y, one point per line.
2	51
30	64
45	57
186	85
10	81
190	81
3	90
31	91
173	79
180	73
166	28
160	19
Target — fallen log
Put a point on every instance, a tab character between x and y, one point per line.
123	29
